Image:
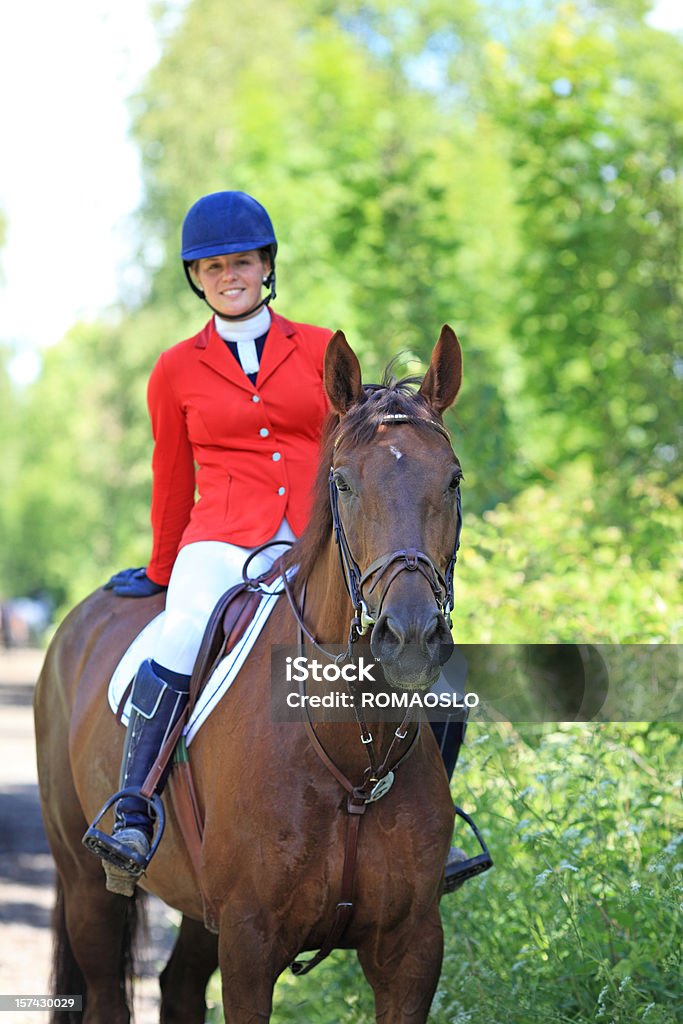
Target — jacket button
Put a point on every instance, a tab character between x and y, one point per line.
264	431
255	398
276	456
280	490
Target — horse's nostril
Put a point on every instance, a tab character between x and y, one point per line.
387	639
436	641
430	641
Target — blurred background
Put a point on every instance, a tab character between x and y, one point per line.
513	169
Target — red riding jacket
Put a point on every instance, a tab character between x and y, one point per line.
251	451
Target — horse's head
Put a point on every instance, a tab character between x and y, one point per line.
394	490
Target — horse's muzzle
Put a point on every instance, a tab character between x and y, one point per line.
411	653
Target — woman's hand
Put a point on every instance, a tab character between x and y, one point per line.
133	583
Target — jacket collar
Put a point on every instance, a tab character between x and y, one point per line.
214	352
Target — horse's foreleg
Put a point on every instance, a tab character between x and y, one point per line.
249	964
404	969
186	975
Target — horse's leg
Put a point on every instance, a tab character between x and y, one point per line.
249	963
102	939
186	975
94	928
403	970
96	934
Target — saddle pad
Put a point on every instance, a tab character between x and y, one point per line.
144	646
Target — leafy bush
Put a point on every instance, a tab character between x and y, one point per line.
580	918
557	565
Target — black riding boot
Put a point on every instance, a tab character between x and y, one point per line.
155	708
450	735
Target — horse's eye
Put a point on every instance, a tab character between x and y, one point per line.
455	480
340	483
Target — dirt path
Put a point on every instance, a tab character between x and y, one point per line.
26	866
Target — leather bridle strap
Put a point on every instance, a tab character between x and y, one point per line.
344	909
356	804
410	560
404	559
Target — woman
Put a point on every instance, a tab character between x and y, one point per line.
223	401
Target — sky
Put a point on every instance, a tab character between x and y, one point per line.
69	174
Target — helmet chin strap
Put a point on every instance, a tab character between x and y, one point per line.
270	281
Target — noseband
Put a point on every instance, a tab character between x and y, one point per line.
396	562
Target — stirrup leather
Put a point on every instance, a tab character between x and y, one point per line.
108	847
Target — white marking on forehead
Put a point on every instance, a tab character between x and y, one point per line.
394	451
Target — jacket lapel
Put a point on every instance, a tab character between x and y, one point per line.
216	354
279	346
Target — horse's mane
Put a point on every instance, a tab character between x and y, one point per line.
360	424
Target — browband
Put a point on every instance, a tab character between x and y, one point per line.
404	418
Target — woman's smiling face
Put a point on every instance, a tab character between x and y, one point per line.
232	282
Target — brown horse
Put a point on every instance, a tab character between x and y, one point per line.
275	813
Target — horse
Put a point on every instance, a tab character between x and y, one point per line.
276	814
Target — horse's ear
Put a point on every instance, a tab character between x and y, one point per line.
443	378
342	374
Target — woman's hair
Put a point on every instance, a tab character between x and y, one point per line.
264	254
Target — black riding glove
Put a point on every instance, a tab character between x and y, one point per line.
133	583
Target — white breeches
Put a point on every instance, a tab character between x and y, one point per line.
201	575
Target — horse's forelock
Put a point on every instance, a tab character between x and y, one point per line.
390	398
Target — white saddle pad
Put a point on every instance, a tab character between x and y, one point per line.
144	646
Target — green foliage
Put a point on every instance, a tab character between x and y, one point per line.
585	895
79	503
384	227
579	920
558	565
594	110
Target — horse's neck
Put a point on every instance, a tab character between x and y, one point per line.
328	616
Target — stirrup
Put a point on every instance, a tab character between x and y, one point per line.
108	847
472	866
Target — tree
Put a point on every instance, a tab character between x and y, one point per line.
593	103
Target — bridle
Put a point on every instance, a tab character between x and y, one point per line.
401	560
